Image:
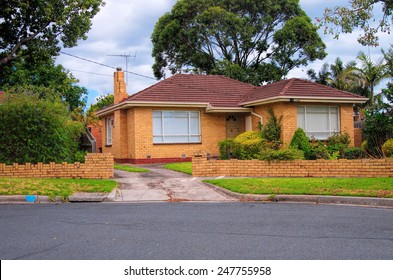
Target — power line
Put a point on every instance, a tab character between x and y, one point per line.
126	56
99	74
105	65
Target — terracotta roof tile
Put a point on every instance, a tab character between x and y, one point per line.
219	91
296	88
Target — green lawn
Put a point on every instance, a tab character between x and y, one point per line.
53	187
185	167
130	168
371	187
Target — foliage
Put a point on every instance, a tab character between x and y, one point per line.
225	147
102	102
248	149
359	15
337	75
247	145
253	41
338	142
354	153
371	74
37	130
378	128
301	142
319	151
282	154
23	75
271	131
35	28
387	148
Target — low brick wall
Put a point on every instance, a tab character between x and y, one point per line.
201	166
96	166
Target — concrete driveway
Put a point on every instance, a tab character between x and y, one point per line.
163	185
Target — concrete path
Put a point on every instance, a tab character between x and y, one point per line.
163	185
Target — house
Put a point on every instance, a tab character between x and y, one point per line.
176	117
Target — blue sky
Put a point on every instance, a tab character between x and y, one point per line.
125	26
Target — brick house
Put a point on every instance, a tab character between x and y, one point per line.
176	117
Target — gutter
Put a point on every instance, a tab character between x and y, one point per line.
305	99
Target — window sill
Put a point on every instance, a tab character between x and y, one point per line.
108	146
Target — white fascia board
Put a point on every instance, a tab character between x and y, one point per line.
298	99
228	110
131	104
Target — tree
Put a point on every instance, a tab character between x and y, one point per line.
371	74
337	75
359	14
252	41
45	74
102	102
36	27
34	129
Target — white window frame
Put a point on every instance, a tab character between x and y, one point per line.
166	138
329	132
109	130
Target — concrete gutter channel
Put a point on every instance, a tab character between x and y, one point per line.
314	199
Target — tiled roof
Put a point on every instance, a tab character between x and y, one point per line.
296	88
219	91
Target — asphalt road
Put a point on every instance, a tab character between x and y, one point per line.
195	231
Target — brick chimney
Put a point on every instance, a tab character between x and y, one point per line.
120	90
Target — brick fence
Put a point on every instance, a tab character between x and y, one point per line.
201	166
96	166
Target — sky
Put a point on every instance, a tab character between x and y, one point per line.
123	27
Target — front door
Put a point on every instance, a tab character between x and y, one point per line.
235	125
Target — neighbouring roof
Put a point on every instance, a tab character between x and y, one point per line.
215	91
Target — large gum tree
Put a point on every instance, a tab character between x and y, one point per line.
250	40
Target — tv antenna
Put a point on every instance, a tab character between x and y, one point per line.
127	57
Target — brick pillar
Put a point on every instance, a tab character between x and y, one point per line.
119	86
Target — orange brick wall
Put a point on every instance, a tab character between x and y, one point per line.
135	131
298	168
96	166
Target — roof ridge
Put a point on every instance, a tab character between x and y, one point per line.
289	83
329	87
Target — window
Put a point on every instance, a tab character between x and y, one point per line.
176	127
109	129
319	122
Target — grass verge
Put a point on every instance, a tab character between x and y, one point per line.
364	187
53	187
130	168
185	167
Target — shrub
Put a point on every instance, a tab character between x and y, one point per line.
283	154
354	153
271	131
36	130
301	142
226	147
319	151
378	128
387	148
338	142
248	149
248	135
